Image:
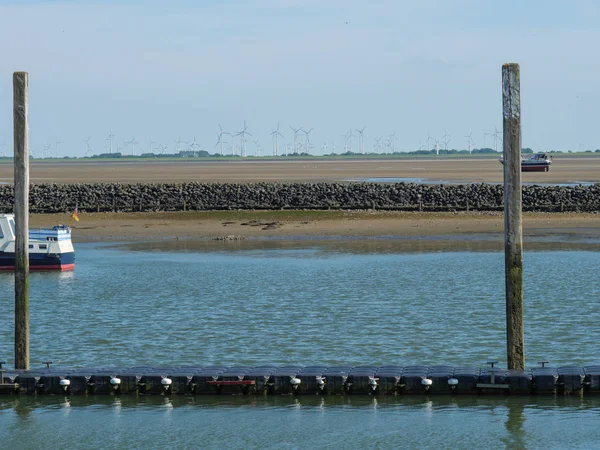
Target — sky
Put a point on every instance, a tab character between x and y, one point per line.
161	71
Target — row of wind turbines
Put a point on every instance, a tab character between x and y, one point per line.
49	150
446	138
299	144
236	143
129	147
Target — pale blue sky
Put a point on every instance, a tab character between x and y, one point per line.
148	70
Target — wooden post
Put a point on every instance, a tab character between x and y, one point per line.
21	208
513	228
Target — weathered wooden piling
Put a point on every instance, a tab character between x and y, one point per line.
21	209
513	229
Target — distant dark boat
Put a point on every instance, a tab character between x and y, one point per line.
540	162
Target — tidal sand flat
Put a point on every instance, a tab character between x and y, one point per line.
200	225
565	170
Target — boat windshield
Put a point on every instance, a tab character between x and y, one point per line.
12	226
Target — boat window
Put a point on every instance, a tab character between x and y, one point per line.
12	226
43	246
30	245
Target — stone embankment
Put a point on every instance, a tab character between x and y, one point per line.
107	197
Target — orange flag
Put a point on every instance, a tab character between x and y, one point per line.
75	214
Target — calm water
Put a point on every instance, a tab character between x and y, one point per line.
428	181
306	302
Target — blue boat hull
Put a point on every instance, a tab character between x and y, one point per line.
40	261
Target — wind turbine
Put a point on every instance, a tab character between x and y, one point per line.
495	135
150	146
47	149
324	148
177	142
192	146
485	134
296	131
445	139
58	142
377	144
470	141
242	135
386	145
345	136
257	148
429	138
437	146
361	139
110	139
307	140
88	149
392	141
348	137
219	141
220	134
132	142
275	133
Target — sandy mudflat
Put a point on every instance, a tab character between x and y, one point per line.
288	224
564	170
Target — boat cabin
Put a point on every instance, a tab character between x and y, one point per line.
7	229
49	248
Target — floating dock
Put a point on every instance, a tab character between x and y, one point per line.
302	380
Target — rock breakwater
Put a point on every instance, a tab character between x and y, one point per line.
114	197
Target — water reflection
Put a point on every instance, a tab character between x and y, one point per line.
474	242
62	277
515	407
356	421
515	420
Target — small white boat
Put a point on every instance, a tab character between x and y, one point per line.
49	248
